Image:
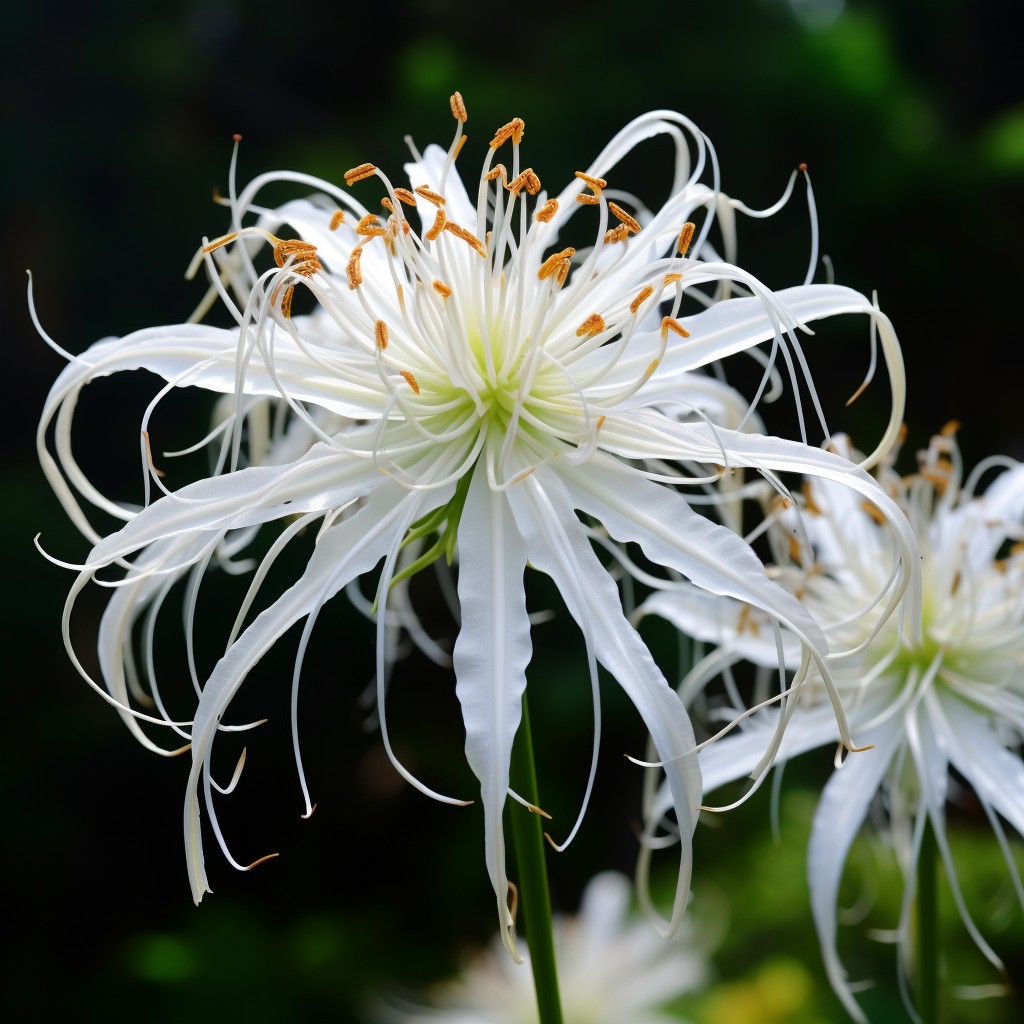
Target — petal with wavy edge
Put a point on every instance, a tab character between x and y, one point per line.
840	813
977	752
490	658
672	534
557	545
717	620
345	551
323	478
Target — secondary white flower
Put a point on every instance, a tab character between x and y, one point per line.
465	381
612	968
951	699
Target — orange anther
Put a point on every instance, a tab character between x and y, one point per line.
458	107
441	288
513	130
459	145
380	331
588	199
595	183
547	211
632	224
337	219
685	237
551	264
619	233
410	380
600	422
673	278
355	275
431	197
467	236
593	325
369	226
438	226
668	324
286	301
645	293
497	171
405	196
528	180
355	174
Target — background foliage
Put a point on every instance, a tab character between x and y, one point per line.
116	127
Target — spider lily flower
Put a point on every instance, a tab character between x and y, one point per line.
612	968
467	383
948	700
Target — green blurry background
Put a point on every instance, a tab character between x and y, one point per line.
116	127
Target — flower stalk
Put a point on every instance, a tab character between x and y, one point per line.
927	928
534	895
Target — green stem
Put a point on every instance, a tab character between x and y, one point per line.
534	896
927	929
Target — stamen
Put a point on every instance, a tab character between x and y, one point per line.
441	288
950	429
587	199
513	130
630	223
563	272
358	173
497	171
355	275
547	211
388	205
467	236
337	219
528	180
381	332
600	422
458	107
595	183
370	226
438	226
810	505
643	296
431	197
874	511
405	196
217	243
619	233
410	380
286	301
593	325
669	324
552	263
149	456
673	278
685	237
458	146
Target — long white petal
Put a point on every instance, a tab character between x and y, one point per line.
557	545
490	658
345	551
841	810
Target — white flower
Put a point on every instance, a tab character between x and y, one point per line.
612	968
950	697
467	381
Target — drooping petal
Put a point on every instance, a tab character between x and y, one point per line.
490	659
841	810
557	545
347	550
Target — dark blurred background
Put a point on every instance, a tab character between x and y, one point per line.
116	129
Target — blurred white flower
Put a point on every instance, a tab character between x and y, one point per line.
612	969
469	385
949	700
